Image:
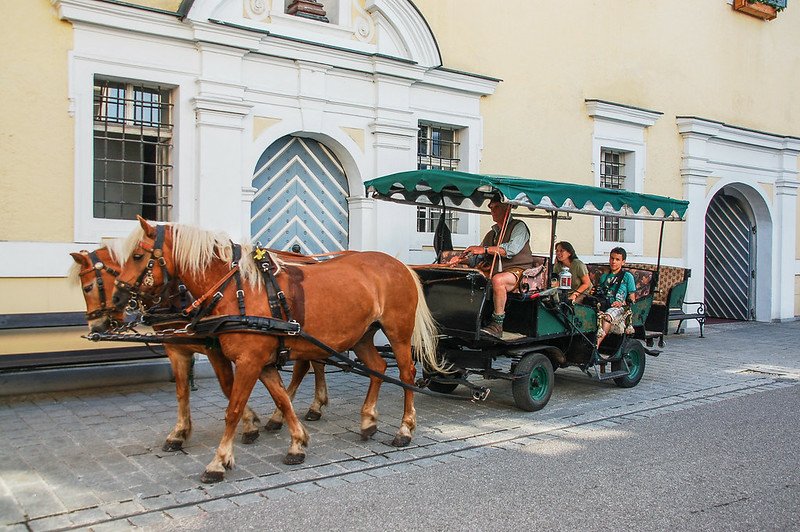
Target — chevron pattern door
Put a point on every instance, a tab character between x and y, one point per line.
301	198
729	265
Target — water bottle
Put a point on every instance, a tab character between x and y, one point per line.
565	279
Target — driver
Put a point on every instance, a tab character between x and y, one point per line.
513	257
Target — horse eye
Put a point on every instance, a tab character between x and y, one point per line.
138	256
88	288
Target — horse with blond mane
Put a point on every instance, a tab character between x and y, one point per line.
96	271
341	302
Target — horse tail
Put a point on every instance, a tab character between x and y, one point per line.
424	339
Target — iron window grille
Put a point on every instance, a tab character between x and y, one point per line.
133	128
437	148
612	175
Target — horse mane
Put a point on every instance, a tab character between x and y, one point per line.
74	274
115	250
195	248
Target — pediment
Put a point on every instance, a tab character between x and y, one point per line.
393	28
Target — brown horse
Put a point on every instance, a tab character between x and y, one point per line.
96	272
342	302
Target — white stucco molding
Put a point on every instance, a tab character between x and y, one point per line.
412	28
766	156
114	15
622	113
621	127
742	159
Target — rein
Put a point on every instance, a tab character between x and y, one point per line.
198	330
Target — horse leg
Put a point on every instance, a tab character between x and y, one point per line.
299	437
366	352
320	392
247	373
180	358
405	364
223	369
299	370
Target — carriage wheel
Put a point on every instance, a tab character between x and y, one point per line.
533	382
634	356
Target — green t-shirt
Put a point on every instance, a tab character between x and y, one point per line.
608	283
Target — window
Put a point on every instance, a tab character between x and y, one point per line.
437	148
132	150
612	175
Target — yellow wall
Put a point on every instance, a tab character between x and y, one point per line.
36	131
166	5
682	57
48	294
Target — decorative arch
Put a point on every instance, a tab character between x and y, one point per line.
757	203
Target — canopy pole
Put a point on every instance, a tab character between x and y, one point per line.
553	220
658	260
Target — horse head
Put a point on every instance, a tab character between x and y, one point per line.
96	272
148	268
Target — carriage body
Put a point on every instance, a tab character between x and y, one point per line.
540	333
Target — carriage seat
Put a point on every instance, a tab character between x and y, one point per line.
669	304
642	275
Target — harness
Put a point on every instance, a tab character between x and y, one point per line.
97	267
146	277
201	327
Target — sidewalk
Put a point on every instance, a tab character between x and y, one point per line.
92	458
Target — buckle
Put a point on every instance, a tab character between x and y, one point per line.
296	332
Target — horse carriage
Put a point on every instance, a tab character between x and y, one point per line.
543	330
258	308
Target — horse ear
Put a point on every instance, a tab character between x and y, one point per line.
79	258
149	230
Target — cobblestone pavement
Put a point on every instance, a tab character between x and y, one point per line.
93	459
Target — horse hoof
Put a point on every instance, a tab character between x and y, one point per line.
211	477
401	441
313	416
368	432
273	425
171	446
249	437
294	459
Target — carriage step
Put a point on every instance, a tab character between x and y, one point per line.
609	375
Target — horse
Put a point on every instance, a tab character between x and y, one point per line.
341	302
96	272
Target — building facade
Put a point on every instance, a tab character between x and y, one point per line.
263	118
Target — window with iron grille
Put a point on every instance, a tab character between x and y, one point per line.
437	148
133	125
612	175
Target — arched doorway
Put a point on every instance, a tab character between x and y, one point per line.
301	197
730	260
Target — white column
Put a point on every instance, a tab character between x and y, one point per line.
363	236
221	112
785	228
394	137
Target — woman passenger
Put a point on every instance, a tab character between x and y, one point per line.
565	257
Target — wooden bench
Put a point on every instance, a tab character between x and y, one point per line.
670	305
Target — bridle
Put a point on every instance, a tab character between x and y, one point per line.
146	277
98	266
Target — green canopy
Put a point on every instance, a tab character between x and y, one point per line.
436	187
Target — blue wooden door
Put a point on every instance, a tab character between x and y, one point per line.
301	198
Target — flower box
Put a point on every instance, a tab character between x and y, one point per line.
756	9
